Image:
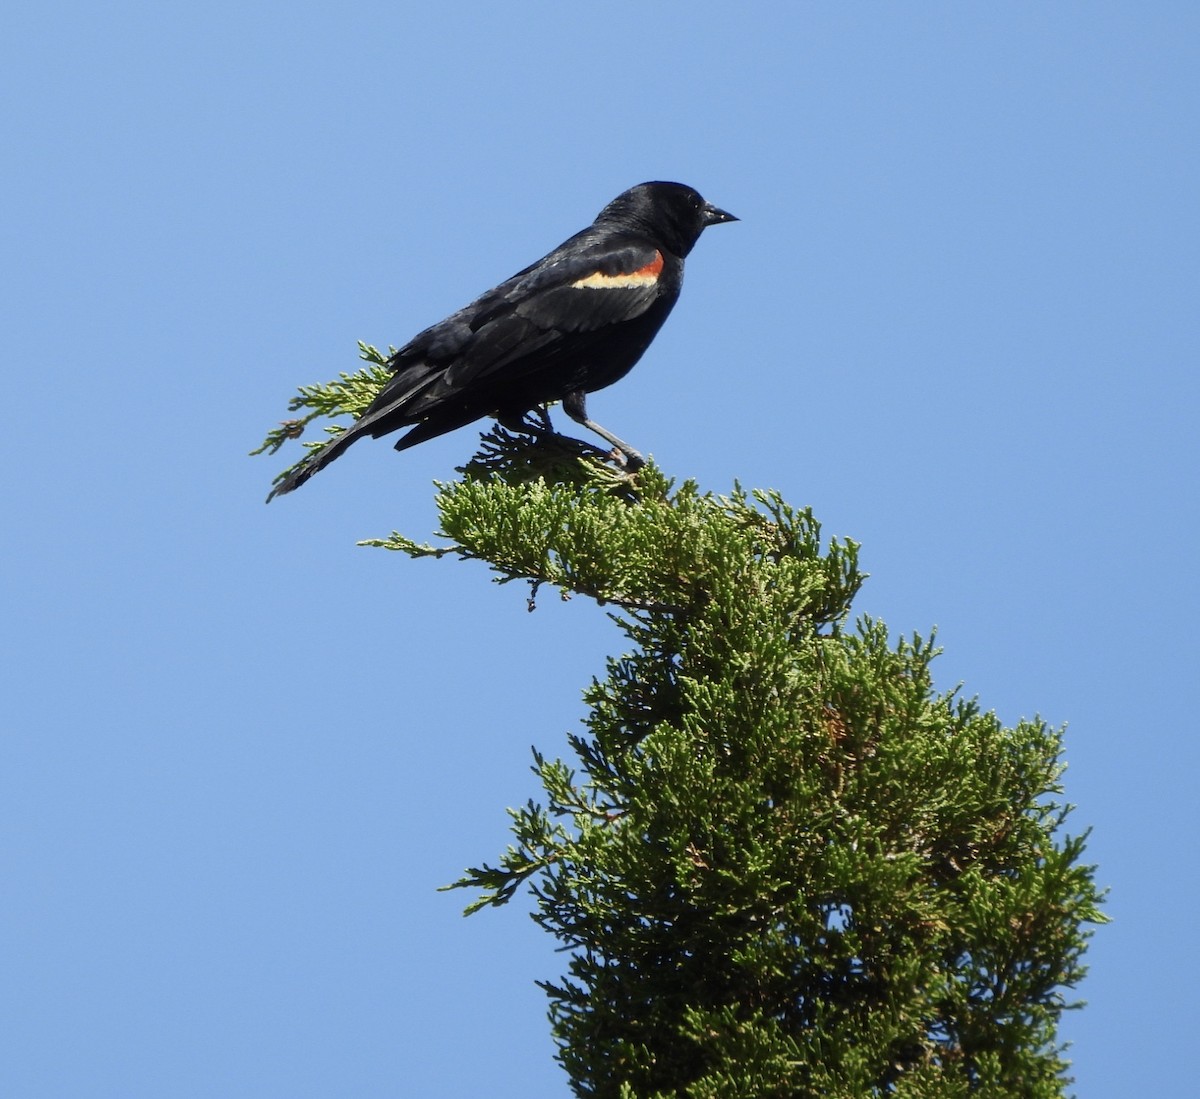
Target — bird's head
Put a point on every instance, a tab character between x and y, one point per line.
672	213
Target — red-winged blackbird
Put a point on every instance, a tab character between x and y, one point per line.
572	323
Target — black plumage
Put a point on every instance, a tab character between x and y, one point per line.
575	321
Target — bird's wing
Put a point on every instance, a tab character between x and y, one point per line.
580	291
589	288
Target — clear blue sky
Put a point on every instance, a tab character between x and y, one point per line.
959	318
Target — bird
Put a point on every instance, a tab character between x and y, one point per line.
568	325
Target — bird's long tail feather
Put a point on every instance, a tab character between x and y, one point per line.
316	462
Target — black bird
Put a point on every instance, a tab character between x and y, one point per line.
574	322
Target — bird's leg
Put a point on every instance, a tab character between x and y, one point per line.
575	406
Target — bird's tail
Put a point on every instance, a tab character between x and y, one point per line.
396	406
388	412
317	462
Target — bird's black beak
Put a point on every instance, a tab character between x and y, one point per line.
714	215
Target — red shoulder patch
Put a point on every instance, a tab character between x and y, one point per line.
643	276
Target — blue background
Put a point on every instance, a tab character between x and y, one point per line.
958	318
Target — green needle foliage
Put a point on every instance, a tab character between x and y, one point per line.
782	863
348	396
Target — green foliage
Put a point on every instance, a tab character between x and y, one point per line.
349	395
781	862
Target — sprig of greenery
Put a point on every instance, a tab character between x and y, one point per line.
346	395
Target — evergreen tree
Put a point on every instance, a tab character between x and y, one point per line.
782	862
